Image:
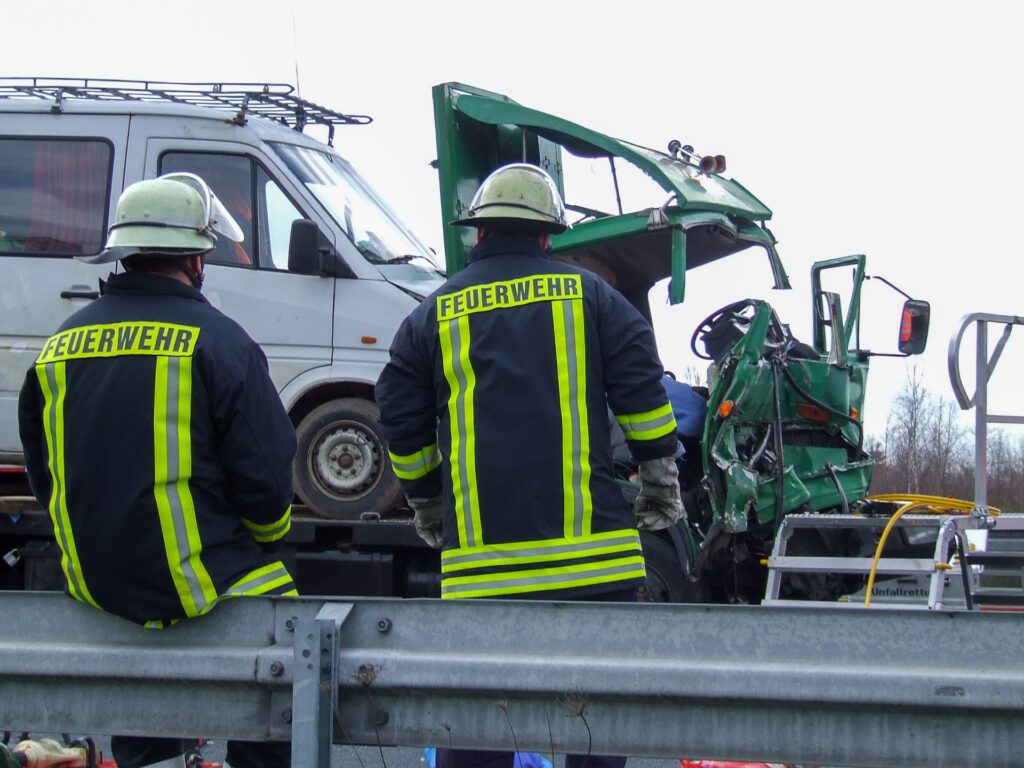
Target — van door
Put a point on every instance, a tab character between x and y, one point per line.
60	177
289	315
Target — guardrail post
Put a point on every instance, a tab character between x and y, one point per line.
315	685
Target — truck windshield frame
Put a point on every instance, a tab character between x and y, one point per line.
374	229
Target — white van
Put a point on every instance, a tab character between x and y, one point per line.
323	296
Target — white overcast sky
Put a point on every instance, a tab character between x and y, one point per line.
887	128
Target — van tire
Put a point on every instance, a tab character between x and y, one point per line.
342	468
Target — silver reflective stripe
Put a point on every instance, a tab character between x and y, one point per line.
577	548
572	402
263	533
255	582
171	489
646	426
524	579
460	423
430	458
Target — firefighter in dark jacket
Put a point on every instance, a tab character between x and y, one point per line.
157	441
494	404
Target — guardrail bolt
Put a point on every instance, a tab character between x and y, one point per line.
289	624
277	669
384	626
380	717
286	714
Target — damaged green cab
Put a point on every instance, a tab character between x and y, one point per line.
783	430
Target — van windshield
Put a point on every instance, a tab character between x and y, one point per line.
367	220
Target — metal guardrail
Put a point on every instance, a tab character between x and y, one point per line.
984	366
785	684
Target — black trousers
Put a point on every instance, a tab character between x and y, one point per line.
481	758
139	751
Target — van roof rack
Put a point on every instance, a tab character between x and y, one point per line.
272	100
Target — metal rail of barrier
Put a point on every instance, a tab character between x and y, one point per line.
785	684
984	366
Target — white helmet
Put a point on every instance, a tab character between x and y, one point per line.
176	214
521	194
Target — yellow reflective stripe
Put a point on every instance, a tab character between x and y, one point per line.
582	459
264	532
260	581
268	579
568	433
53	383
540	551
649	425
160	623
120	339
514	546
508	293
172	452
544	579
570	358
416	465
458	371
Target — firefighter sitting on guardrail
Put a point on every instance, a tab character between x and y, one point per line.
155	438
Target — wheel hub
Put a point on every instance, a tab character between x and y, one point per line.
346	460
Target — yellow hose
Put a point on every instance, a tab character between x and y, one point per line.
931	505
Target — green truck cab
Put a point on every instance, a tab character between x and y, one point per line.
783	431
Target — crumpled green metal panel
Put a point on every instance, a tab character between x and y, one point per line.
478	131
743	489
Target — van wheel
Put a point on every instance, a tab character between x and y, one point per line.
667	579
342	468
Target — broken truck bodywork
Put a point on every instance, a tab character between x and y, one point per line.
783	431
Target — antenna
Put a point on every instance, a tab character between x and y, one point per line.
295	54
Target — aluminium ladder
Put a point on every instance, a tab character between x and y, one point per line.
993	576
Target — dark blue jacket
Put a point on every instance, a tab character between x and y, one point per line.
496	397
158	443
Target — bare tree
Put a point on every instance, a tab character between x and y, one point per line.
926	445
904	431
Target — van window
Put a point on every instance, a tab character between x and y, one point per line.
276	217
369	223
230	178
266	226
53	195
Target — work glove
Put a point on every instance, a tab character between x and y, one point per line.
427	517
658	504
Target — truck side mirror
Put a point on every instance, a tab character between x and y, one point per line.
914	327
311	253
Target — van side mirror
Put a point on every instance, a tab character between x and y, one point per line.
914	327
311	253
304	248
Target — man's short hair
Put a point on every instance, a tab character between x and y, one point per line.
154	262
512	229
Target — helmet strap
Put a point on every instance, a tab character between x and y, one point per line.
196	278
